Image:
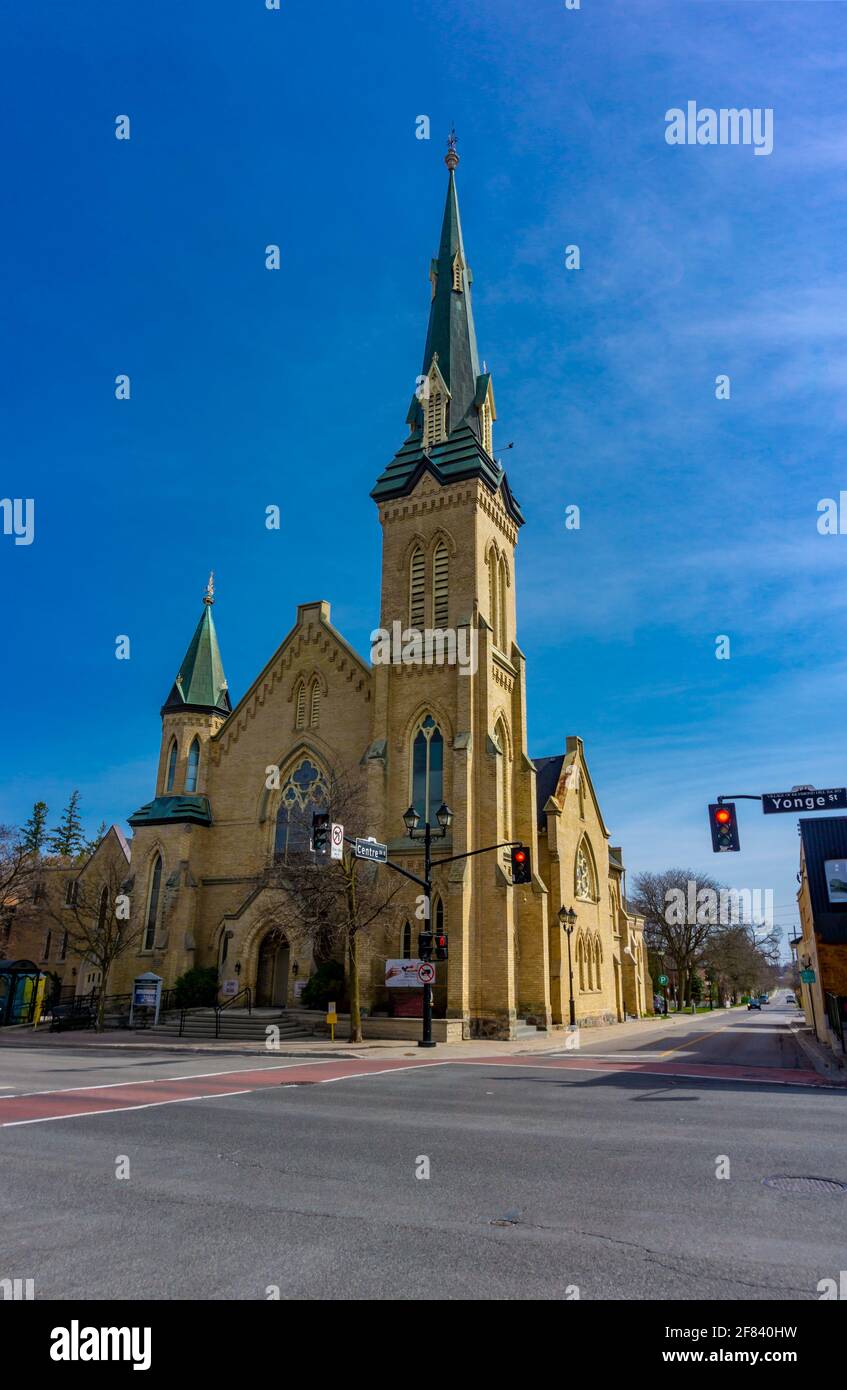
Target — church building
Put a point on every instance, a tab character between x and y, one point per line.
421	730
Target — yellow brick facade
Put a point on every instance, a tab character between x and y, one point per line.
449	535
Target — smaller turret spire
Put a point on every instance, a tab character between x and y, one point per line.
201	683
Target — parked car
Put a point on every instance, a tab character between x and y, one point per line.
754	1004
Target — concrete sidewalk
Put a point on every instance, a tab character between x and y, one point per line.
555	1041
822	1058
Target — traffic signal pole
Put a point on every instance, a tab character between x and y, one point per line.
426	884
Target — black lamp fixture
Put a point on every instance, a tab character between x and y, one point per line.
444	816
567	917
410	819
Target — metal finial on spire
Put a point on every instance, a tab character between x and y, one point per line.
451	158
209	596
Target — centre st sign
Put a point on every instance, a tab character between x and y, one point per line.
372	850
804	799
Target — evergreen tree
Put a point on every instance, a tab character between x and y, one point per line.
101	831
35	830
67	839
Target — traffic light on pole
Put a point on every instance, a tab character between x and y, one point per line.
320	832
425	945
521	864
440	946
723	824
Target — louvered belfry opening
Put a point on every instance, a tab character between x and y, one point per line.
440	585
417	589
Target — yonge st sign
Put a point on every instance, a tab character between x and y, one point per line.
805	799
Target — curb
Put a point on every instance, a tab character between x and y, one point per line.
815	1054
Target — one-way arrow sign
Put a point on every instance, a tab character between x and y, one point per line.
804	799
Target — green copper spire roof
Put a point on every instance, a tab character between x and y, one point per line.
451	340
451	330
200	682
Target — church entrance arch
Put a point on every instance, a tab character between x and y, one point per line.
272	970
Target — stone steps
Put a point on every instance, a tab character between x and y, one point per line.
235	1026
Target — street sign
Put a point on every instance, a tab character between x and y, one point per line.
372	850
807	976
804	799
662	980
426	973
336	842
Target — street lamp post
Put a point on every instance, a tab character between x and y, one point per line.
411	820
567	917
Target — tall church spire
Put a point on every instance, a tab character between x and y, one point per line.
452	411
200	683
451	331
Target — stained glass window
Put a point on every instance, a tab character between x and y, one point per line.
169	785
304	793
584	877
427	769
193	766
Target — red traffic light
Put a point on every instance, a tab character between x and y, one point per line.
519	856
723	824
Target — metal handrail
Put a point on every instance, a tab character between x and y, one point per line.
246	990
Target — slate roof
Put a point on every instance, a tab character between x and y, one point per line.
548	772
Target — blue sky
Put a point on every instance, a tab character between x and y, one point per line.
297	127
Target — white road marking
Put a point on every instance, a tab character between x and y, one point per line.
156	1080
120	1109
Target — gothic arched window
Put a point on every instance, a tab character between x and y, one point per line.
300	705
169	782
427	789
585	883
438	916
493	596
503	579
417	588
580	961
103	909
407	941
504	782
440	585
153	904
315	703
193	767
304	792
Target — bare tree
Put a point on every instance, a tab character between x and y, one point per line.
18	870
96	918
676	924
743	957
332	903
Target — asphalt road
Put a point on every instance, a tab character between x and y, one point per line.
543	1178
